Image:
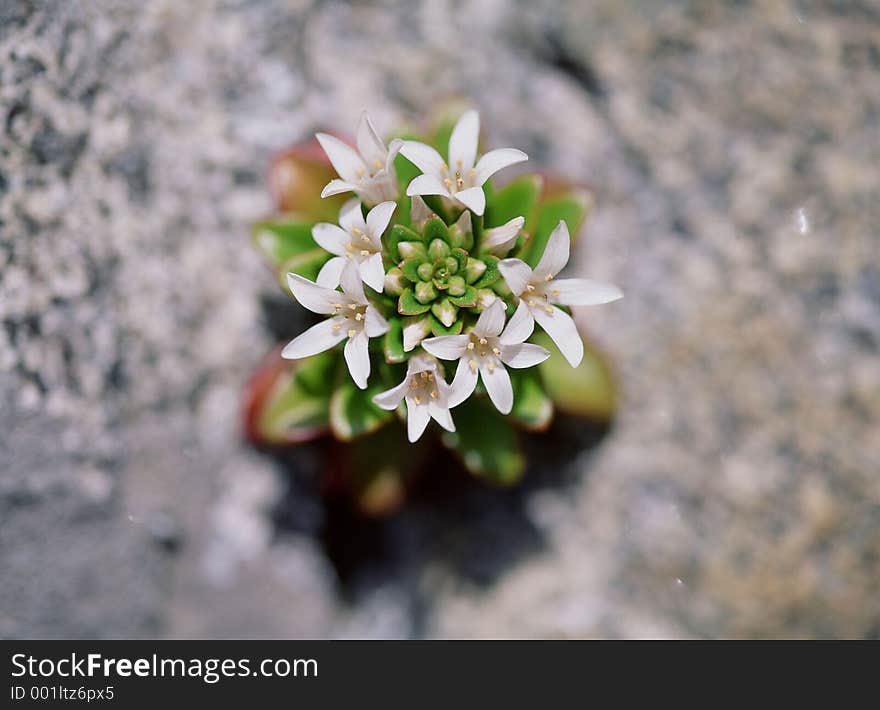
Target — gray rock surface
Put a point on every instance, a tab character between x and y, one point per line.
734	151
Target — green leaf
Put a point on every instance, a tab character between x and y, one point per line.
307	265
409	306
398	233
393	342
377	469
532	407
486	443
289	402
467	300
491	274
587	390
284	239
571	207
410	269
516	199
437	328
352	412
435	228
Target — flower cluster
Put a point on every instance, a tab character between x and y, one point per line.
418	261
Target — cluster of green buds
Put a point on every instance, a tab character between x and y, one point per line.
440	299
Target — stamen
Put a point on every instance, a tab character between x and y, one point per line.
483	341
417	399
365	252
351	332
433	394
357	232
337	326
358	316
448	183
472	364
555	292
496	351
548	277
549	309
530	288
377	164
424	375
491	366
471	345
337	307
353	306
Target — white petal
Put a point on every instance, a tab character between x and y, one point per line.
447	347
463	383
463	141
414	332
352	286
441	415
335	187
473	198
582	292
424	157
393	150
373	273
523	355
498	386
519	327
378	219
315	340
499	240
555	255
517	274
491	321
419	211
331	237
370	146
417	418
331	272
375	323
562	330
426	185
357	357
496	160
421	363
351	216
391	399
344	158
316	298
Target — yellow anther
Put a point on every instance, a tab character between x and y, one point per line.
425	375
377	163
448	183
337	307
365	252
353	306
555	292
548	277
496	351
530	288
471	345
472	364
357	232
358	316
351	332
491	366
418	399
433	394
548	309
483	341
337	326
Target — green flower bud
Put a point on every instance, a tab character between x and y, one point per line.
457	286
410	250
451	265
425	292
425	271
438	249
445	312
395	282
475	269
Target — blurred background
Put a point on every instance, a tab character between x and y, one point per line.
734	148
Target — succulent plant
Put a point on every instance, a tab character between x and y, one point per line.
428	267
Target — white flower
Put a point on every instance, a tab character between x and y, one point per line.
356	243
427	395
485	350
352	317
540	289
367	171
499	240
463	181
